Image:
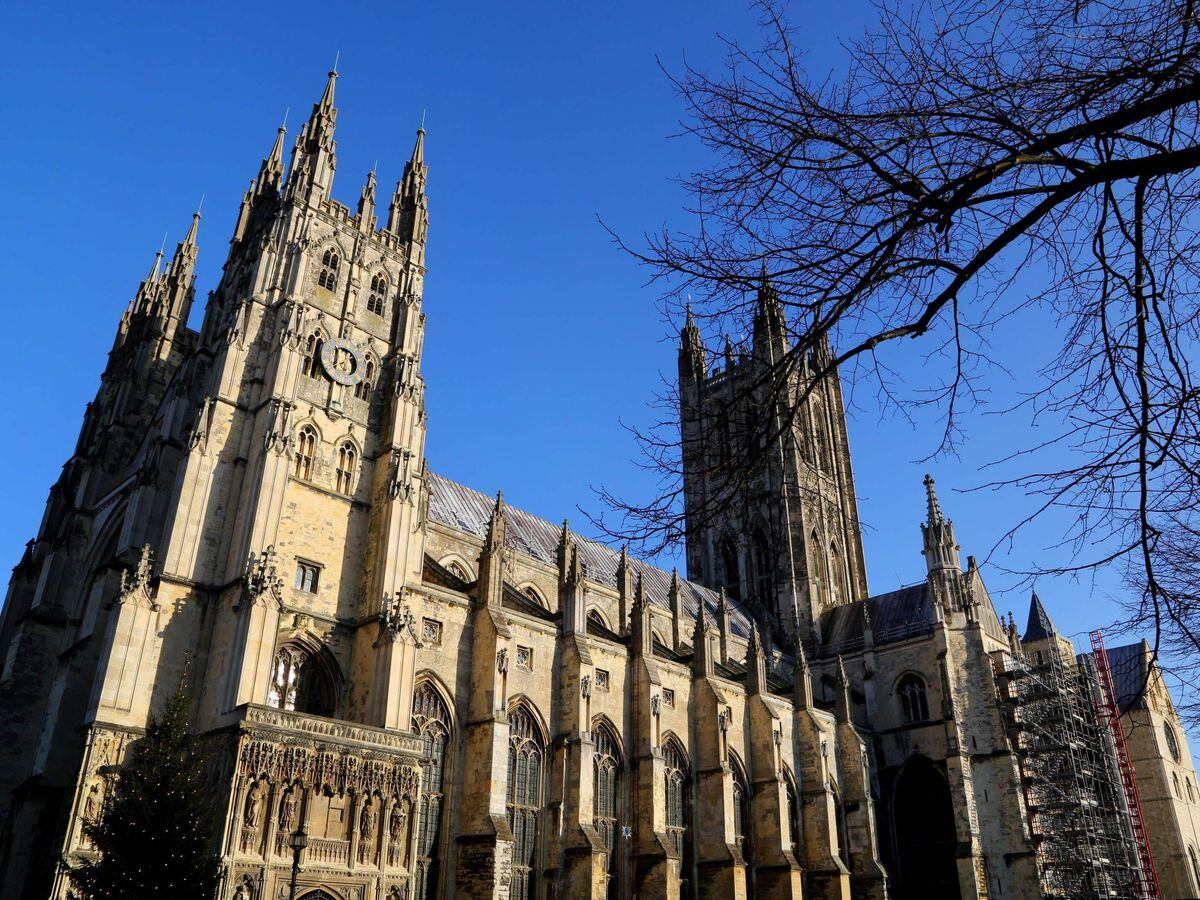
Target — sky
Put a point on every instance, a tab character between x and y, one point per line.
544	340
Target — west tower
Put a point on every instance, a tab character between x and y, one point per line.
783	539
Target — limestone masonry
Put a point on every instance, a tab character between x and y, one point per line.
455	698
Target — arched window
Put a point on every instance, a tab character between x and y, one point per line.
306	447
346	467
302	682
1172	741
525	752
816	568
329	270
837	576
605	798
741	808
762	570
311	367
378	297
1175	780
733	572
363	389
793	812
458	571
1195	866
913	704
723	436
594	617
1191	791
431	720
679	809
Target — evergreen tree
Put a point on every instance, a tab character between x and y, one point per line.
153	835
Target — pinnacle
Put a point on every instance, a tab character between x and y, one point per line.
933	508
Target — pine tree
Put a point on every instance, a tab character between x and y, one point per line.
153	835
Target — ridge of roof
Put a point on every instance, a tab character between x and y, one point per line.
465	509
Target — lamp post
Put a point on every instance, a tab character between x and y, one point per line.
298	841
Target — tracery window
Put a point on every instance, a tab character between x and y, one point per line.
837	576
1178	790
1195	865
677	788
311	367
431	720
1172	741
301	682
329	270
741	807
525	754
733	572
377	299
306	445
607	768
346	467
913	703
793	812
363	389
308	577
762	569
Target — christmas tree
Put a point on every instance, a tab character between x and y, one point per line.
153	834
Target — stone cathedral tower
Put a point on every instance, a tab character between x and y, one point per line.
785	541
191	529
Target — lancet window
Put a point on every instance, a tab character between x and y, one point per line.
431	720
525	757
306	447
346	467
914	705
606	797
329	270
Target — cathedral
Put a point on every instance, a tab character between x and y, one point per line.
447	696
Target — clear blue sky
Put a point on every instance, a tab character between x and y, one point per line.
542	337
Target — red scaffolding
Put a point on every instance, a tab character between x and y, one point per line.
1110	714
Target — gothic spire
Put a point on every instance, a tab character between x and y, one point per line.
941	554
313	158
933	514
366	204
693	358
1040	626
770	338
270	173
408	215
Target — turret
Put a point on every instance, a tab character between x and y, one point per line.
703	663
366	205
941	553
756	663
314	156
770	334
491	558
265	185
408	215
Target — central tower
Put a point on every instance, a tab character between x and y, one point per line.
771	512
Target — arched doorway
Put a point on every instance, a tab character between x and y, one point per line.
922	815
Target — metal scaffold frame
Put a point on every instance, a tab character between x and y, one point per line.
1075	803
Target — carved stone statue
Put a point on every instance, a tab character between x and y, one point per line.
287	811
366	832
254	804
245	889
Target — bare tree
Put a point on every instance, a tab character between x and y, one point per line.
972	149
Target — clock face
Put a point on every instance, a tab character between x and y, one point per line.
342	360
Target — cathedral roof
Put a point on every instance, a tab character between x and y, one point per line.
463	509
896	615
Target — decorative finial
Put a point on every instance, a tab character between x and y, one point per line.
336	59
422	128
283	125
200	205
933	509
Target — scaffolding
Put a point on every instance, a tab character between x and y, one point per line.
1078	818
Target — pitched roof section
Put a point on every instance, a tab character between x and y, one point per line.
895	616
1039	626
463	509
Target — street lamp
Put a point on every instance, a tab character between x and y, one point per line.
298	841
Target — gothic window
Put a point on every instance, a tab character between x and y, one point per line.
678	807
525	753
1172	741
457	570
311	367
762	569
793	812
431	720
363	389
346	467
329	270
308	576
302	682
306	445
733	574
1191	791
816	568
1175	779
741	807
595	618
605	799
377	299
532	593
837	576
722	434
1195	865
914	705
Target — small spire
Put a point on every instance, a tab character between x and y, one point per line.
326	101
497	525
189	239
1040	626
933	508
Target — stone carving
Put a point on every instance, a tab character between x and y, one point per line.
655	705
254	804
400	485
262	583
502	660
366	832
135	585
287	810
245	889
397	620
585	686
279	436
397	845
